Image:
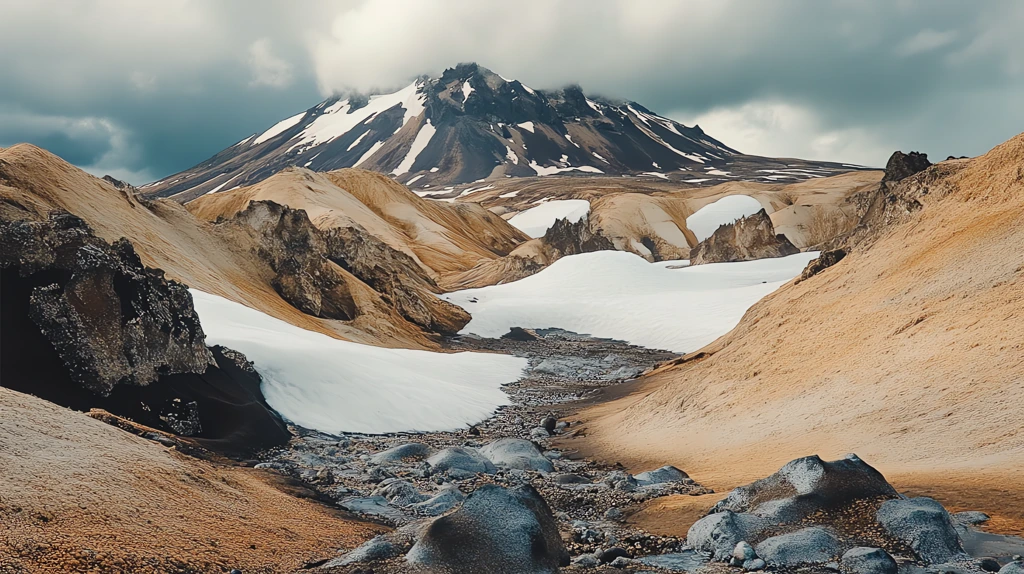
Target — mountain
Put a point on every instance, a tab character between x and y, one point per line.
907	349
471	125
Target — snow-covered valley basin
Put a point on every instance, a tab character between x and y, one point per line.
620	295
322	383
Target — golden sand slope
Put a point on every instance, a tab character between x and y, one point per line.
909	352
78	495
444	238
166	236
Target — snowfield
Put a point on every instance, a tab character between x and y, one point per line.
537	220
330	385
620	295
707	219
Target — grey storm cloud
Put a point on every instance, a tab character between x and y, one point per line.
143	89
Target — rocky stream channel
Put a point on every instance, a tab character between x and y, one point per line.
510	503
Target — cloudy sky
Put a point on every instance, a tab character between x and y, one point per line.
143	89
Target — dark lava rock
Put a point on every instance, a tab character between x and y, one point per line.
902	165
567	238
923	525
611	554
989	565
497	530
863	560
519	334
806	485
822	262
548	424
86	325
752	237
807	546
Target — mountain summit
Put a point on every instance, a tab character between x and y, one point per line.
469	124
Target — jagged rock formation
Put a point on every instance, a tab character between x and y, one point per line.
86	325
751	237
901	166
802	514
823	262
110	319
565	238
471	124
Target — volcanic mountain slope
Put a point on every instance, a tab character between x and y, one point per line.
437	238
908	351
471	125
258	260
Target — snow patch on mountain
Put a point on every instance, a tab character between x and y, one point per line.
537	220
709	218
331	385
278	128
423	138
620	295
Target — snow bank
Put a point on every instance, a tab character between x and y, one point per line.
323	383
620	295
278	128
707	219
537	220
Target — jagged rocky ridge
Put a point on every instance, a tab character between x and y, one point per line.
751	237
469	125
86	325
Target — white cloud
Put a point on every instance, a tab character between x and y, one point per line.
926	41
267	69
780	129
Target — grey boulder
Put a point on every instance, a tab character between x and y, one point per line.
460	458
1015	567
376	548
923	525
446	499
864	560
413	451
661	475
399	492
719	533
497	530
516	453
812	545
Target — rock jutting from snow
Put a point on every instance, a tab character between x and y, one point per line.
497	530
752	237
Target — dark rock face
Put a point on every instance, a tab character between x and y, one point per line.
295	250
566	238
497	530
85	325
752	237
396	277
902	165
110	319
824	261
311	268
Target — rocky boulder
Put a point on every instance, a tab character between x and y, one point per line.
516	453
719	533
1015	567
408	452
752	237
496	530
661	475
822	262
461	459
806	485
864	560
903	165
923	525
812	545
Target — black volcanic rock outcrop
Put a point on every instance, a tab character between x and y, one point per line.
86	325
568	238
903	165
752	237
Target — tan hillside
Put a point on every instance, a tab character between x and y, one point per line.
215	259
81	495
443	238
909	352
